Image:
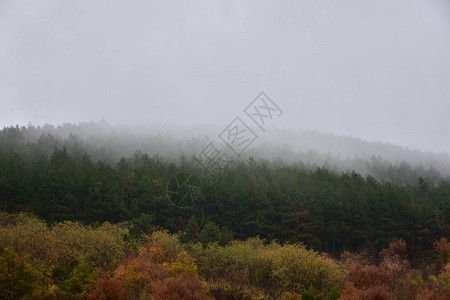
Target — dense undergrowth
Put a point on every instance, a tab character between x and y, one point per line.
69	260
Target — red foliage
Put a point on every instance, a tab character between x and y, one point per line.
435	295
106	287
397	250
181	287
366	277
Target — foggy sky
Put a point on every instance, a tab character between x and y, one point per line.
376	70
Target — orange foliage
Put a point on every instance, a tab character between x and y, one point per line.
153	251
372	293
147	277
107	287
181	287
390	280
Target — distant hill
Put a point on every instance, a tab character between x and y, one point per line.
309	149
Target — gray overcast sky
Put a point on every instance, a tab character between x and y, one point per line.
377	70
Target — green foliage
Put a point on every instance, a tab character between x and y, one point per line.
18	278
81	281
83	200
191	232
212	233
139	227
327	211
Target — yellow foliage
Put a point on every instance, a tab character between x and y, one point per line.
273	268
131	277
444	278
290	296
167	240
442	250
183	263
63	246
18	278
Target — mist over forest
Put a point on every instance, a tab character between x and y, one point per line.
276	147
225	150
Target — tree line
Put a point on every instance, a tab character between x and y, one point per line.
328	211
68	260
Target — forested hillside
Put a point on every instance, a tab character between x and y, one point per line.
58	180
262	212
224	150
109	143
71	261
